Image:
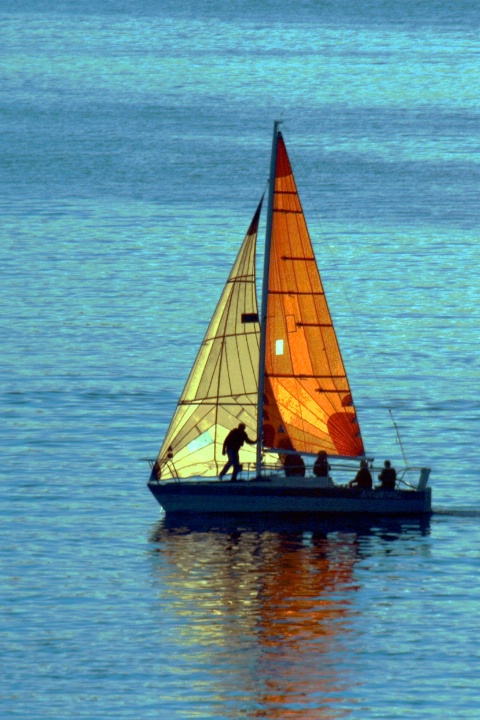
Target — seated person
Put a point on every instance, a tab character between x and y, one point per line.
387	477
321	468
294	465
363	478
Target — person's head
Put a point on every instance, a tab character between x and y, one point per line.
387	463
322	454
363	463
241	426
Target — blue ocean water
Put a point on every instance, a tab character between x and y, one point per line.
135	140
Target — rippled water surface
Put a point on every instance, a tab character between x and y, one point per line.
135	142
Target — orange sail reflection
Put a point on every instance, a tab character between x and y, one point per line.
303	621
277	604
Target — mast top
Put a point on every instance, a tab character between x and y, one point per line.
276	124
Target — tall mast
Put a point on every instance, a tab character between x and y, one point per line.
263	311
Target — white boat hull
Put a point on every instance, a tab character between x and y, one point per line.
294	497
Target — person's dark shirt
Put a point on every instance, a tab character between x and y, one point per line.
236	438
388	477
321	467
363	479
294	465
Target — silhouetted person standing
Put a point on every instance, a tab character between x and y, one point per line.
231	447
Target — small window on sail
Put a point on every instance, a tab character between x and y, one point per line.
279	347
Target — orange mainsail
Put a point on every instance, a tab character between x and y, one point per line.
307	400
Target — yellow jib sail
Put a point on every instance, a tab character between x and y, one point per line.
222	388
307	400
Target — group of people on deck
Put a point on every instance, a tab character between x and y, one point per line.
294	465
363	478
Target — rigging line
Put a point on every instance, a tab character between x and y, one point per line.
399	438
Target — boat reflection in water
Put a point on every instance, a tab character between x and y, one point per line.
265	614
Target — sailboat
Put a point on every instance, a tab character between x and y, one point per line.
276	371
